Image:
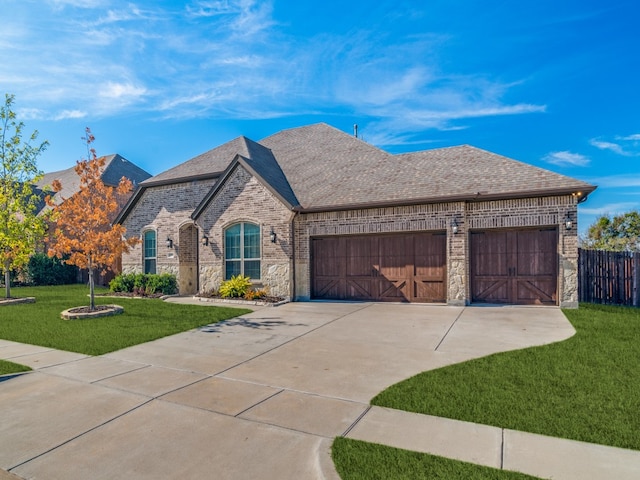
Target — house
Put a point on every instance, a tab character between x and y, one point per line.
315	213
115	167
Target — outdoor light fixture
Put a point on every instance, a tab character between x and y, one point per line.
272	236
568	223
204	240
454	226
169	243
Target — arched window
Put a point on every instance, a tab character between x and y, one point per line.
242	250
150	251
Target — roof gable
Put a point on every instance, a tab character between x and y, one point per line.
209	164
260	163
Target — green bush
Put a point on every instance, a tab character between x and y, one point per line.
236	287
165	283
45	270
145	284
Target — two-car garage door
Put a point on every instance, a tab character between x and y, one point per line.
506	266
397	268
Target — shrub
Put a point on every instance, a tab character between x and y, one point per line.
236	287
165	283
45	270
145	284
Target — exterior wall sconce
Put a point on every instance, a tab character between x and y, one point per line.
568	223
454	226
204	241
169	243
272	236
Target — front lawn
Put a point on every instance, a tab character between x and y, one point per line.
357	460
586	388
142	321
10	367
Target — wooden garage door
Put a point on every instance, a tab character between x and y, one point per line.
395	268
517	267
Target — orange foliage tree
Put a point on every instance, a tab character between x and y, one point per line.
82	232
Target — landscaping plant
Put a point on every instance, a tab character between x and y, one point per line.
83	233
236	287
145	284
20	226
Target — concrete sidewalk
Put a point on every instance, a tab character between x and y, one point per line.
263	395
537	455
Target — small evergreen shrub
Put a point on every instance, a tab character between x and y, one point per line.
45	270
145	284
236	287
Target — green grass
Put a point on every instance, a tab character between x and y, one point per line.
586	388
142	321
10	367
357	460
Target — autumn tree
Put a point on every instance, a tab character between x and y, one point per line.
20	227
82	232
618	233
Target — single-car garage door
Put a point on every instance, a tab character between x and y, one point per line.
396	268
514	266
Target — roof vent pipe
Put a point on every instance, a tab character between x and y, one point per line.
355	130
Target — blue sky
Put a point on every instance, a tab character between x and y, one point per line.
550	83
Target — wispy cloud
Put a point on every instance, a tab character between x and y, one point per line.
614	147
234	59
617	181
68	114
609	209
565	158
625	145
634	138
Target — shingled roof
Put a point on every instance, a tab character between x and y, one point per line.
207	165
320	168
329	169
115	167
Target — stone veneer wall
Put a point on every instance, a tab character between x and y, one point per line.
244	199
163	209
481	215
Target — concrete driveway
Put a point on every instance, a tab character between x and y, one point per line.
259	396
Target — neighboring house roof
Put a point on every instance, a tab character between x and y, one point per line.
115	168
320	168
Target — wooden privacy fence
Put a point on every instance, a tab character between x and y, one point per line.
609	277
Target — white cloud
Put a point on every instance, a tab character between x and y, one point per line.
609	209
614	147
69	114
617	181
114	90
232	59
634	138
565	158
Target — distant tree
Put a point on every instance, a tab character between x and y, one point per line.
20	226
82	233
617	233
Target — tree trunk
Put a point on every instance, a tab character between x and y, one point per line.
7	280
92	300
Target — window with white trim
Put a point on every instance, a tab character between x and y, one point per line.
242	250
150	251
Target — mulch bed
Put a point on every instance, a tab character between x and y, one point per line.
265	299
